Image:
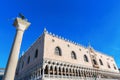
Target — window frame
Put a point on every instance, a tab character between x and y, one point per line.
36	53
101	63
73	55
58	51
86	58
28	60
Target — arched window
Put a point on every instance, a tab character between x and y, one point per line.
58	51
85	58
22	64
108	65
28	61
101	63
94	62
114	67
73	55
36	53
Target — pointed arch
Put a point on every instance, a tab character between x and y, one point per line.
51	70
108	65
55	70
94	62
86	58
101	63
114	66
73	55
58	51
46	69
36	53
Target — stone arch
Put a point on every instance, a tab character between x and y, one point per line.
51	69
67	72
46	69
59	70
101	63
63	71
73	55
55	70
94	62
86	58
58	51
70	72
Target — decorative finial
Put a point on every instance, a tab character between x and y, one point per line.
89	45
45	30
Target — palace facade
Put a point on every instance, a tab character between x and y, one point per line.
55	58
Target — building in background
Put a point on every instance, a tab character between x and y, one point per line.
55	58
1	73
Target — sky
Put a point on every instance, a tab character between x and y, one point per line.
83	21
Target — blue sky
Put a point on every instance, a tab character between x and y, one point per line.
82	21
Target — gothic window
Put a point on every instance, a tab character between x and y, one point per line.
58	51
114	66
101	63
28	61
108	65
85	58
36	53
94	62
73	55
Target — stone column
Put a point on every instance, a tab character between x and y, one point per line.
49	71
21	25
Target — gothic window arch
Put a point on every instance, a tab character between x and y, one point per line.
28	61
114	66
86	58
73	55
58	51
94	62
101	63
108	65
36	53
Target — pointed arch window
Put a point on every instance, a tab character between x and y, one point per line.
58	51
73	55
28	61
94	62
36	53
108	65
101	63
114	67
86	58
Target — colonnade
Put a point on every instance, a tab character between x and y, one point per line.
60	70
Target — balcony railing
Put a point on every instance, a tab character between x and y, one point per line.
62	77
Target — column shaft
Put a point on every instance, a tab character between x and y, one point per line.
13	58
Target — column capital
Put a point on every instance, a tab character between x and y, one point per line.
21	24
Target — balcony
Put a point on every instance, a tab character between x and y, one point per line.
59	77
